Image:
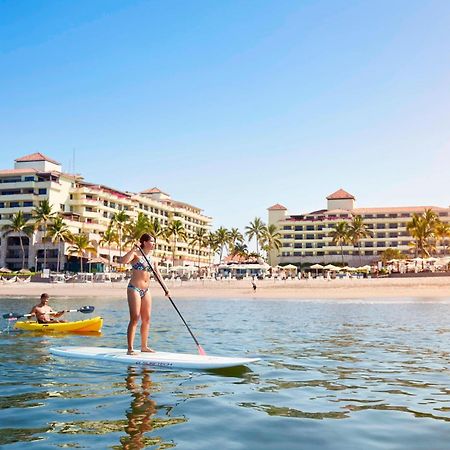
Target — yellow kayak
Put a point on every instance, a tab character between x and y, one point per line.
94	324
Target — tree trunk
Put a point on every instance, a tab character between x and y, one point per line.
23	251
45	249
342	255
58	257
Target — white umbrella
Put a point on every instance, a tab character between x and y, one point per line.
331	267
316	266
5	270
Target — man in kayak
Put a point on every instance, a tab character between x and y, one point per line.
44	313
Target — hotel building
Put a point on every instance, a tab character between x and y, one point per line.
305	237
86	208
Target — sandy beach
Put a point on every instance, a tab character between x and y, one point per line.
266	289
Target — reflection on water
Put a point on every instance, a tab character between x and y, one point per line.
333	376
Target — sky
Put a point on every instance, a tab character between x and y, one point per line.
234	106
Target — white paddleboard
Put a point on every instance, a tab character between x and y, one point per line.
156	359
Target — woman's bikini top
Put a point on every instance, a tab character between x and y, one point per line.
141	264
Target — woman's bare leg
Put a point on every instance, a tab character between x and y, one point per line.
146	311
134	305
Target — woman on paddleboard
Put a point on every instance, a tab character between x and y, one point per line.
139	298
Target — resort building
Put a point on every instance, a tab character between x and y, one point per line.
305	237
86	208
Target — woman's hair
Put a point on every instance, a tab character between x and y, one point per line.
144	238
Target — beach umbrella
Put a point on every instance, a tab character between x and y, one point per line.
331	267
24	271
317	267
5	270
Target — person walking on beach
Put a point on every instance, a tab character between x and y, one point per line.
139	298
254	286
44	313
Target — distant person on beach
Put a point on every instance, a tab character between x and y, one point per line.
44	312
139	298
254	286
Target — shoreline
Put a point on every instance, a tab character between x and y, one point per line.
266	289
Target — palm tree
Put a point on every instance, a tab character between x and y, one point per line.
156	230
271	240
234	237
109	237
43	214
175	230
392	253
222	239
18	224
358	230
255	230
341	236
442	234
421	228
134	230
199	239
213	244
120	220
58	232
80	245
240	249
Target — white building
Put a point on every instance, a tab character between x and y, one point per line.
88	208
305	237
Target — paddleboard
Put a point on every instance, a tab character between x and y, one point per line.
156	359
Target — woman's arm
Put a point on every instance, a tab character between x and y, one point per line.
129	256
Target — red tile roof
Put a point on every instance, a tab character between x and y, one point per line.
340	195
397	209
17	171
277	207
153	190
36	157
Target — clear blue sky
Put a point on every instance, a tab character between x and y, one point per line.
234	105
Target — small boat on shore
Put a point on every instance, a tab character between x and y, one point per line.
89	325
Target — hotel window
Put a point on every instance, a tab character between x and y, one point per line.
298	228
368	244
42	191
381	226
368	253
309	254
297	245
287	236
287	227
443	214
394	244
27	204
393	225
393	235
381	216
381	244
404	215
2	204
392	215
28	179
309	227
298	236
309	236
309	245
297	253
14	204
381	235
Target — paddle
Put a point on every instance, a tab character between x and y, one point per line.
83	309
199	347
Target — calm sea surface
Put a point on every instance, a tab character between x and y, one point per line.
333	375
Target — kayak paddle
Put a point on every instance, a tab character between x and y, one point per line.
199	347
83	309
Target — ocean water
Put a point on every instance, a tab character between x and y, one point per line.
334	374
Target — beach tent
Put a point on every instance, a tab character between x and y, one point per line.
316	267
290	268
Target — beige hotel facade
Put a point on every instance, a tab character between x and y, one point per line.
86	207
305	237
